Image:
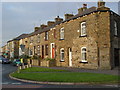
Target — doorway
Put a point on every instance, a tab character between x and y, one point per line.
42	51
116	57
52	50
70	57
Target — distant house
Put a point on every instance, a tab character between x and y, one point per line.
90	39
13	46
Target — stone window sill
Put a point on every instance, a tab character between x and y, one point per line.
83	36
62	61
61	39
83	61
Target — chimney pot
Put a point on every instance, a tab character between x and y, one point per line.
36	28
58	19
101	3
80	10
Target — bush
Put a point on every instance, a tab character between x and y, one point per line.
36	57
50	59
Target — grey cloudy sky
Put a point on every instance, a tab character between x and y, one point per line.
22	17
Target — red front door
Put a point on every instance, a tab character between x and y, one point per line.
52	50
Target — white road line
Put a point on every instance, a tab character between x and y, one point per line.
15	83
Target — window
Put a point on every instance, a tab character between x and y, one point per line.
62	33
30	52
46	49
31	39
83	54
55	34
115	28
46	36
38	38
38	50
35	50
83	29
62	54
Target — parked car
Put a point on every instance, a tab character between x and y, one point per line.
16	62
4	60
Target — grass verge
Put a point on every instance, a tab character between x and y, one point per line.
68	77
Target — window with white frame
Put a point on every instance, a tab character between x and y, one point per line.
62	54
115	28
38	50
62	33
83	54
38	38
30	52
83	29
46	36
31	39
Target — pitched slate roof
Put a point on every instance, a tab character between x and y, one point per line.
89	10
19	37
86	12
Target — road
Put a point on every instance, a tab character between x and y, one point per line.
9	83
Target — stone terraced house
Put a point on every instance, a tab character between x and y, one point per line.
90	39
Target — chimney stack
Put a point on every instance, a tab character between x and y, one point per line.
43	26
80	10
67	16
84	7
101	3
50	23
58	19
36	28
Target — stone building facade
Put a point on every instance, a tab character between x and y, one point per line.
89	39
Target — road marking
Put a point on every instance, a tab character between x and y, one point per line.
15	83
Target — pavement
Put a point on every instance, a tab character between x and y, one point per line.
115	71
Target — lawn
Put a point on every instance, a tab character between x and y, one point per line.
40	69
68	77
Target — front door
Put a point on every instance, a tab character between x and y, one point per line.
52	50
70	57
116	57
42	51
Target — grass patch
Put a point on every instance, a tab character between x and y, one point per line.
68	77
39	69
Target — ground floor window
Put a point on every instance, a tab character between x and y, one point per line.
46	49
30	52
83	54
62	54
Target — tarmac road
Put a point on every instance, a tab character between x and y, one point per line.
10	83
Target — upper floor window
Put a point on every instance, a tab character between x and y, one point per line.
83	29
62	54
115	28
38	38
83	54
31	39
55	36
38	50
62	33
46	36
